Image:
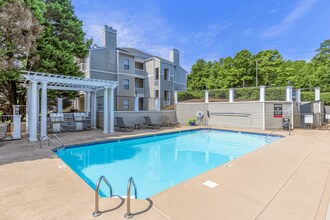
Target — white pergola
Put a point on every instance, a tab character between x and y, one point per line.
34	81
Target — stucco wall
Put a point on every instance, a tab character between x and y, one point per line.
189	110
255	120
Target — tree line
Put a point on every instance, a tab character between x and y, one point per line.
269	66
37	35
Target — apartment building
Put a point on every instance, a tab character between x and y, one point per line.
146	82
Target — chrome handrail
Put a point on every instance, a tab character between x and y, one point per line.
97	211
54	135
287	122
50	140
128	213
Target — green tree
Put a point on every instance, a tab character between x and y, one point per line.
245	68
19	30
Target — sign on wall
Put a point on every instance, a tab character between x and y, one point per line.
309	119
278	111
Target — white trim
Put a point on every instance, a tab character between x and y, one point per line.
180	83
121	73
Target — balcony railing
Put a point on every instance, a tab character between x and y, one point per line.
140	72
139	91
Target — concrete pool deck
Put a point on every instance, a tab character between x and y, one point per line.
288	179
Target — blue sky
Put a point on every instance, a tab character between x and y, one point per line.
210	29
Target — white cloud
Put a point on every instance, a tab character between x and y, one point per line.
299	11
272	11
145	30
209	34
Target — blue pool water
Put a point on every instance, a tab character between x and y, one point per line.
159	162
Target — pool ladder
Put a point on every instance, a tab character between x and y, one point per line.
281	127
128	214
52	141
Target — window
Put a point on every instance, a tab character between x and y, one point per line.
157	93
166	74
126	84
126	64
138	65
126	104
157	74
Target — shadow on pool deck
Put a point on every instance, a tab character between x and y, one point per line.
23	150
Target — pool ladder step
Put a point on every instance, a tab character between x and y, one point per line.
131	182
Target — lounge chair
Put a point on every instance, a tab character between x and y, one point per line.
149	124
3	132
168	122
122	126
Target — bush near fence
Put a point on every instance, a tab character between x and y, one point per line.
247	94
218	95
275	94
310	96
191	96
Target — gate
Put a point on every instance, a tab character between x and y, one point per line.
312	121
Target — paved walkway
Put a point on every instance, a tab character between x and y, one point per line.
288	179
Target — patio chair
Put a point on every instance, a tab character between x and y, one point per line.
168	122
149	124
122	126
3	132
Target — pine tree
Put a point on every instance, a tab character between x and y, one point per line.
62	41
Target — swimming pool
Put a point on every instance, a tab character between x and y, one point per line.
159	162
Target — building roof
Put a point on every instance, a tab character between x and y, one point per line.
141	53
134	51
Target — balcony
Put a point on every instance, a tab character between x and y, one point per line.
139	92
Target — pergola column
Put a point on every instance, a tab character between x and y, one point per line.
33	112
93	109
112	111
28	108
106	111
43	126
38	108
87	102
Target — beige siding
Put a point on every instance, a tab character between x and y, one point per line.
131	69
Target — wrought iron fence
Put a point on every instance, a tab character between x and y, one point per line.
6	118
